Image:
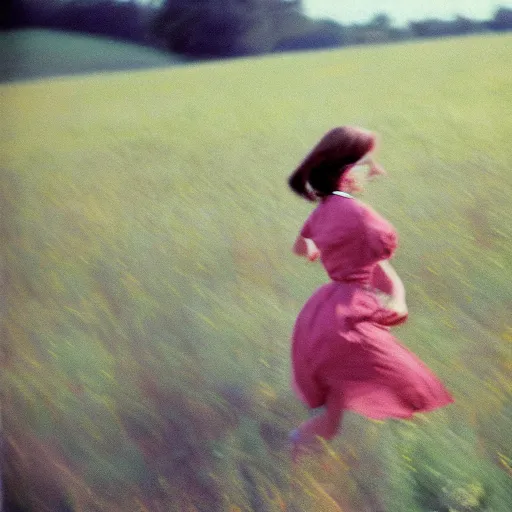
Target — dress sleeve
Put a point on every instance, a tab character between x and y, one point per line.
381	237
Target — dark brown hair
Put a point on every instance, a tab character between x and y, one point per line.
318	175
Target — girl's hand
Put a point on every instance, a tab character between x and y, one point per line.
393	303
312	251
306	247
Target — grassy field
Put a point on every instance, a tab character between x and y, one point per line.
27	54
149	290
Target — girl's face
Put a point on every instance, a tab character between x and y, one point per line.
363	171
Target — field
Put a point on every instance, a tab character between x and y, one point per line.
149	290
27	54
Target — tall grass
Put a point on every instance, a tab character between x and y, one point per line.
149	288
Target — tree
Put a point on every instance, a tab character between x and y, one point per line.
321	34
381	21
111	18
12	14
25	13
502	19
220	28
120	20
430	28
463	25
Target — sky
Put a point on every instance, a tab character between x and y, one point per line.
401	11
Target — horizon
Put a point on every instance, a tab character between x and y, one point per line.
402	12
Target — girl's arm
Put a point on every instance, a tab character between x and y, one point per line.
395	298
306	247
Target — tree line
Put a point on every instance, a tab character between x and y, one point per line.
227	28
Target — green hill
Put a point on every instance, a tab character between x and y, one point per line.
149	290
32	54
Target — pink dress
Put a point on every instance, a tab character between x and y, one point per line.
341	339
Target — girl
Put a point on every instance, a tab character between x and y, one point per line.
343	354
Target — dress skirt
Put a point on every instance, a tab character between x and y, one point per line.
342	343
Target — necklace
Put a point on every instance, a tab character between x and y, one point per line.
342	194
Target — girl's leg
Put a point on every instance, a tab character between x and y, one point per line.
316	411
326	424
